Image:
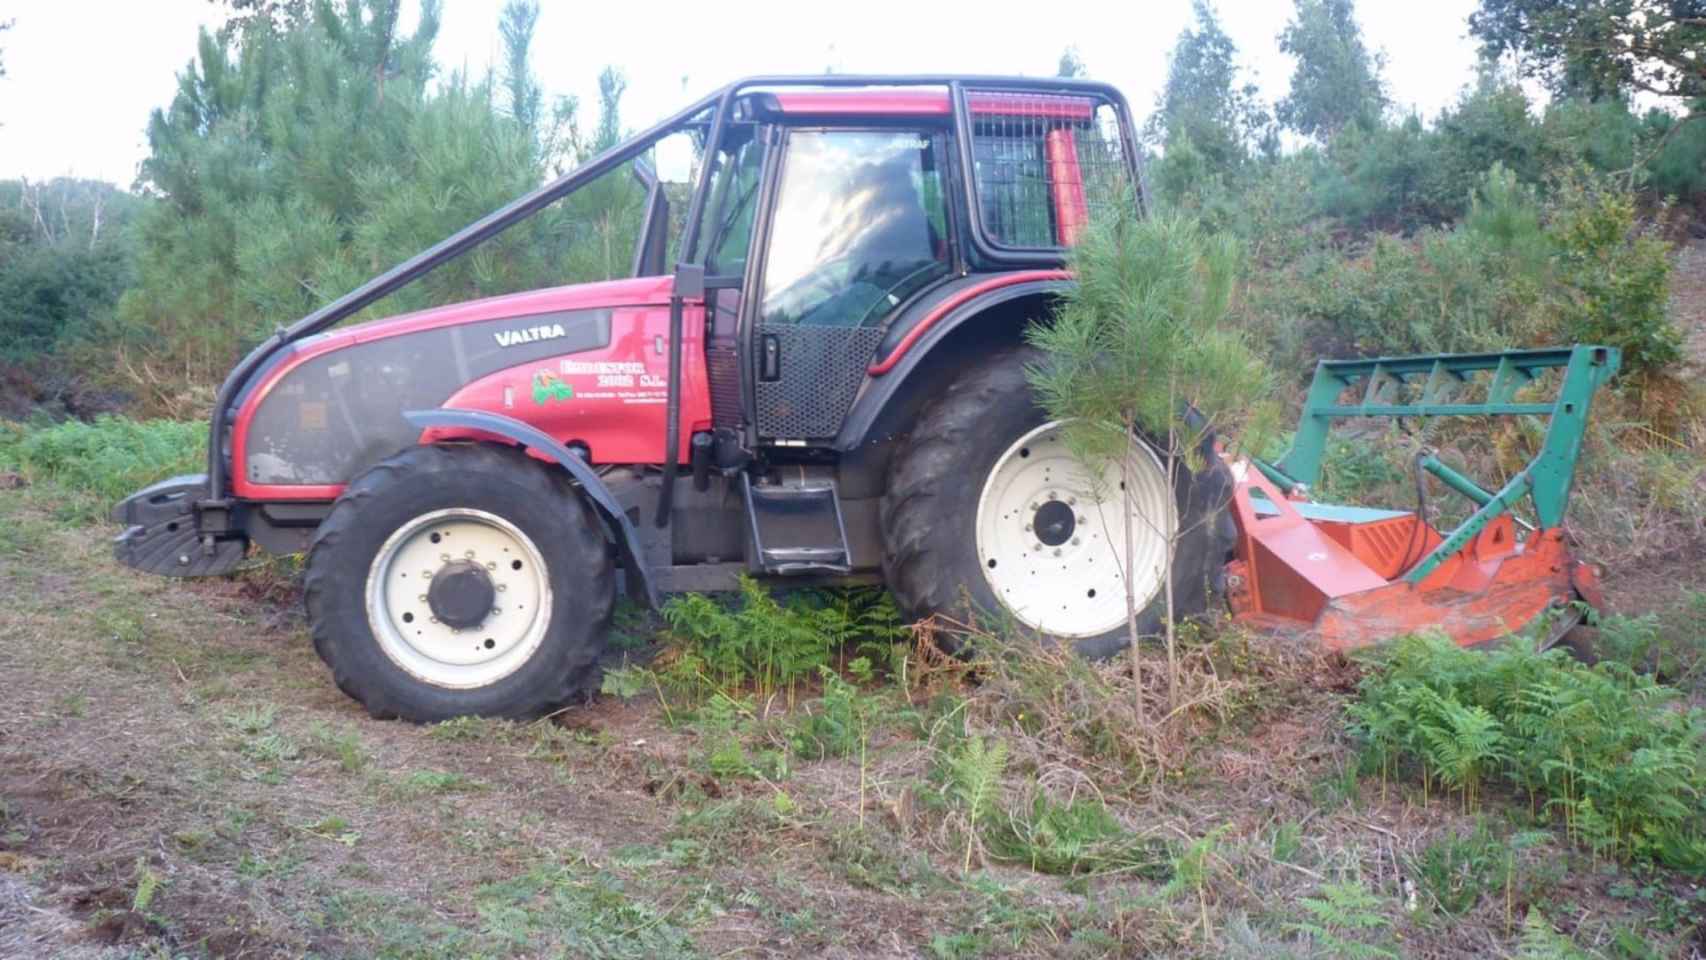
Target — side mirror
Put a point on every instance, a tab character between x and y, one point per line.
676	157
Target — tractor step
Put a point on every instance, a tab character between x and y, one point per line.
797	527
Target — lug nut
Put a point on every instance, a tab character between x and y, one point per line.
1080	519
426	574
491	565
1057	551
1075	541
444	557
468	553
1027	528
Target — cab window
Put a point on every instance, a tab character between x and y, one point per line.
859	226
727	231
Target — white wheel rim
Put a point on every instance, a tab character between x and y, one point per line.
1075	587
474	655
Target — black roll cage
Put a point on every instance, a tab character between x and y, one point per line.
650	250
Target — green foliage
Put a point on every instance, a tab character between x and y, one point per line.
298	160
148	884
1146	334
838	723
1336	81
1341	918
106	460
759	640
973	770
1457	870
65	256
1541	942
1204	102
1079	836
1602	48
1518	271
1618	273
1601	747
1359	472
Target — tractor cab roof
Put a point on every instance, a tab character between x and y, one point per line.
923	102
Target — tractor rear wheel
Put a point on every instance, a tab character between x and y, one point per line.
987	514
460	580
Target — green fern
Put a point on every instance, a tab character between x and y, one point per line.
1342	912
974	772
1541	942
1601	748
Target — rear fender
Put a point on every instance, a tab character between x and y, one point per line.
482	424
917	356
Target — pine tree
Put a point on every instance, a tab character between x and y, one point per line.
1336	81
1204	103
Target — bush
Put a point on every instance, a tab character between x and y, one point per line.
106	460
1602	747
755	639
1614	274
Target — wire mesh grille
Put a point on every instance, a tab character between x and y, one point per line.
1044	165
822	369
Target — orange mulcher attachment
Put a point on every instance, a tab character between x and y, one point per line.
1353	575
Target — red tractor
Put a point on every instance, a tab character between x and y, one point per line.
828	384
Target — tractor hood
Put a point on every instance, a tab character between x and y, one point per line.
631	292
329	405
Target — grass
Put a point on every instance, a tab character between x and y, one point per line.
102	462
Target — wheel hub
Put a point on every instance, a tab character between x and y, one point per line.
459	597
1060	548
1053	523
461	594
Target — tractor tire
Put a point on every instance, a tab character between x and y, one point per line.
983	479
458	580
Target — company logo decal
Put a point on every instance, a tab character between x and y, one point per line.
547	388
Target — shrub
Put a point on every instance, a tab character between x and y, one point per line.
1614	274
106	460
1603	747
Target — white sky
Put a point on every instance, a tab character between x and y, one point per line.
82	75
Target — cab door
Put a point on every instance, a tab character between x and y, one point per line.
858	226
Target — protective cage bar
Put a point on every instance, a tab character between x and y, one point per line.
1043	165
1471	384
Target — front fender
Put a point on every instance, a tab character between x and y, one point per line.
640	583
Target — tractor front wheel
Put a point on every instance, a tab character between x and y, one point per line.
987	513
460	580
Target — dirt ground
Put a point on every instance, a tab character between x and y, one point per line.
179	777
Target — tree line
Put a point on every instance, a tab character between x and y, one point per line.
313	143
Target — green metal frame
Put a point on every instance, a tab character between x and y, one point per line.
1447	384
